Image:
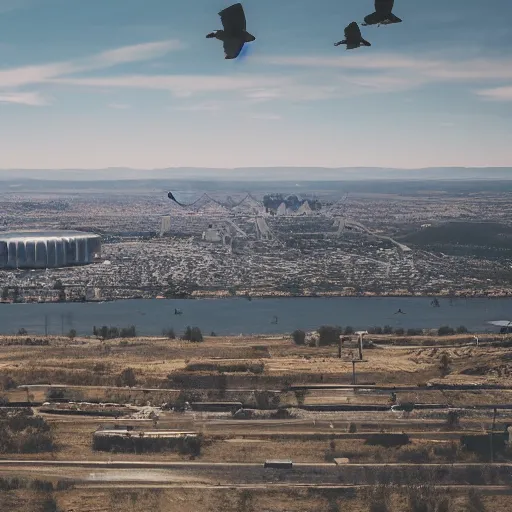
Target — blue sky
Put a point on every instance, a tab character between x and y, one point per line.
135	83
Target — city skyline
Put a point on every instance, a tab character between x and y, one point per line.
94	85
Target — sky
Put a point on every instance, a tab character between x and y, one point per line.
135	83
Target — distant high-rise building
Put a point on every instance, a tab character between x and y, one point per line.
165	225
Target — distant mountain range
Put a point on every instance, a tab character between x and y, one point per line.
261	174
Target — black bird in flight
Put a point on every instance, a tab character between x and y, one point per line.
235	34
353	38
382	14
170	195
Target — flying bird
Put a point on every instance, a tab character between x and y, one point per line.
170	195
382	14
353	38
234	35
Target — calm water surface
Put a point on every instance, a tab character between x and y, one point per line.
240	316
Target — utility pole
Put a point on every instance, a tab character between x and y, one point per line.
360	335
354	362
340	346
491	437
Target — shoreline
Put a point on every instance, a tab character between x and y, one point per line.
279	295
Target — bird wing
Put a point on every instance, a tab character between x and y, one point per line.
170	195
384	6
352	31
232	47
233	18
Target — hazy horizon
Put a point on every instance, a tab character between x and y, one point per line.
260	173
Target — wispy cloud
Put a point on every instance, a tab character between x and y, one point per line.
394	72
266	117
15	78
33	99
119	106
199	107
180	85
456	69
496	93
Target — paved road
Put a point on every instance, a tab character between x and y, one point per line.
237	474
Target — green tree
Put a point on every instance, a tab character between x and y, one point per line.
444	364
445	330
127	378
329	335
187	335
128	332
299	337
5	293
196	336
58	285
169	333
300	396
348	330
475	502
462	329
72	334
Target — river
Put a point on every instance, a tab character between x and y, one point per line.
240	316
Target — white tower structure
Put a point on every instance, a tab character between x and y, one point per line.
165	225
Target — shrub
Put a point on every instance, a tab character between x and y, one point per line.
400	331
127	378
193	334
444	364
414	332
7	382
300	396
109	333
169	333
387	329
329	335
475	502
379	499
445	330
186	445
72	334
388	440
184	397
128	332
22	432
55	394
266	399
462	329
348	330
299	337
452	419
426	498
